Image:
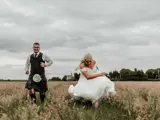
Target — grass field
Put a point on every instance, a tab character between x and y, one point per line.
134	101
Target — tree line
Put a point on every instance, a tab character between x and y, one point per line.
134	75
122	75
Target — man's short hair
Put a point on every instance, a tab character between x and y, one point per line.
36	43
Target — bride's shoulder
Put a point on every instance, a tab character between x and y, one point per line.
83	67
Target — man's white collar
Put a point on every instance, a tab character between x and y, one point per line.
36	53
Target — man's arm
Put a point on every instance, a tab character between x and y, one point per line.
27	65
48	61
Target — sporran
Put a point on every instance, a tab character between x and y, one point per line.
37	78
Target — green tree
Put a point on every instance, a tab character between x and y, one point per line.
64	78
115	74
125	74
141	75
55	79
110	74
151	73
157	73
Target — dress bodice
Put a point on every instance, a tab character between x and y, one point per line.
89	70
94	69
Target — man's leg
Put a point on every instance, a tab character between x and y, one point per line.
42	96
33	95
31	91
44	88
27	94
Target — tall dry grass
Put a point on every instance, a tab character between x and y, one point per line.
136	103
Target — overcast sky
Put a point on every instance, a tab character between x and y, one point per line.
118	33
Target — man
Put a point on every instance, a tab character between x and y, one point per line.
37	63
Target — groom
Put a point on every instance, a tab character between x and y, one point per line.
37	62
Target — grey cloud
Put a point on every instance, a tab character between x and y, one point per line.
35	29
66	59
103	28
42	15
143	58
118	17
13	45
25	21
17	45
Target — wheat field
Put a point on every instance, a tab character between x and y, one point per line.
134	101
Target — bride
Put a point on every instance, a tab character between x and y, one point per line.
93	84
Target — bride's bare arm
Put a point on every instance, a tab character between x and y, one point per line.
89	76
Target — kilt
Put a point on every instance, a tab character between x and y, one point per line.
41	86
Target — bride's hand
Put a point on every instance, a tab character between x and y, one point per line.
102	73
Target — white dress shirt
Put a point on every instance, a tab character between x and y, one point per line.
48	61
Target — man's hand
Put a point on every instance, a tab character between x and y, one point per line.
42	65
27	72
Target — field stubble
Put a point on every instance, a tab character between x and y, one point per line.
134	100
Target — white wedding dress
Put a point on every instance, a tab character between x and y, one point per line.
92	89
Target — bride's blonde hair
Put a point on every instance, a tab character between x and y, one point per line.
86	57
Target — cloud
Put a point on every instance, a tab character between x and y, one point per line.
117	33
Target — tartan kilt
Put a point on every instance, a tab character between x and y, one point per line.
41	86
